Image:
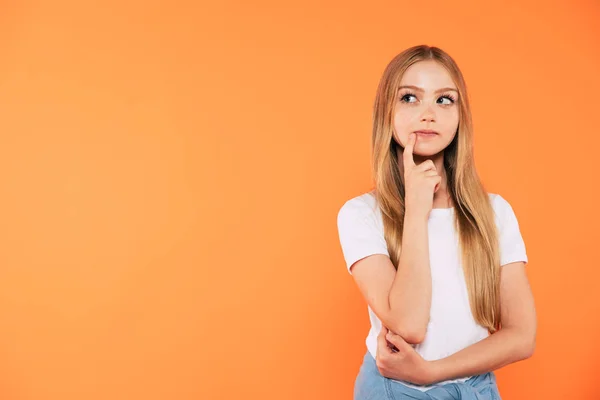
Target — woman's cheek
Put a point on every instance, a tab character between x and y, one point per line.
400	134
403	120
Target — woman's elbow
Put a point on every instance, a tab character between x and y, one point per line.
415	338
412	336
528	346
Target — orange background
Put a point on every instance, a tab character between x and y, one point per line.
171	175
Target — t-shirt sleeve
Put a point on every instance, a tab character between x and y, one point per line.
512	246
360	232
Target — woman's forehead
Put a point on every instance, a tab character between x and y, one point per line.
428	76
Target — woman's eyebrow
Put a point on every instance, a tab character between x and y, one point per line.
418	89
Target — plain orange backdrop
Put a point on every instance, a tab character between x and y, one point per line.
171	173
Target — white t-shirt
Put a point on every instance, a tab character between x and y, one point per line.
451	327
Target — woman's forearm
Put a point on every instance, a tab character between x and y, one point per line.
504	347
410	294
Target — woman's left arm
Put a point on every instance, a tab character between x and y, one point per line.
515	341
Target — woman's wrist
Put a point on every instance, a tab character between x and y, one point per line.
413	216
433	374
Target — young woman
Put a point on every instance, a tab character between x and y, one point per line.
440	262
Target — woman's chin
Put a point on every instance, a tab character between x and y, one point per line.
426	151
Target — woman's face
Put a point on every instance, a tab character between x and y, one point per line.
427	100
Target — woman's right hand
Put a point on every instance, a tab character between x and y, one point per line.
420	182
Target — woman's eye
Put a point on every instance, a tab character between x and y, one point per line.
448	100
444	100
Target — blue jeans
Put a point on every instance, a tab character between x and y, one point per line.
371	385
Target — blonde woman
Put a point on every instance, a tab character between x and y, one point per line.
440	261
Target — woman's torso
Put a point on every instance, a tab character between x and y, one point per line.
451	326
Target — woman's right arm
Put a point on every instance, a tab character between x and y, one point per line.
401	299
410	294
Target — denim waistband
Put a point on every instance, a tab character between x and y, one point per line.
478	387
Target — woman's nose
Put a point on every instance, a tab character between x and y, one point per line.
428	114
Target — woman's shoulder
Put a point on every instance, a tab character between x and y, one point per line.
367	198
503	210
498	202
364	204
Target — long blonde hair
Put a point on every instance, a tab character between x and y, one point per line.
474	215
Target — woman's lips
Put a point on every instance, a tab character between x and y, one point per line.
426	134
